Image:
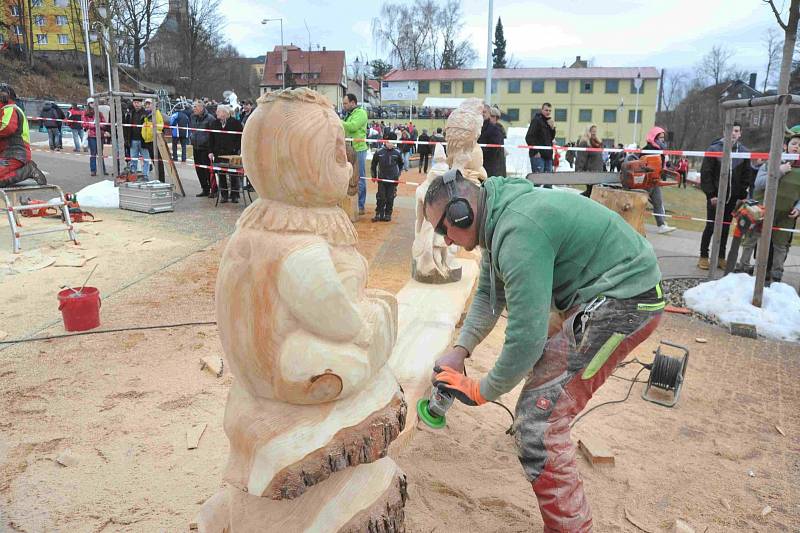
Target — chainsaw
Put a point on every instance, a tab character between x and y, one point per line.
76	214
747	219
646	173
45	211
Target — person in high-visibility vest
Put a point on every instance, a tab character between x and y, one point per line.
15	142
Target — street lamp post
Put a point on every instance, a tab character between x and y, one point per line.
489	62
357	63
283	51
638	84
85	17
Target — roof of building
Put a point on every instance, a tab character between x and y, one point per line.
375	85
329	64
524	73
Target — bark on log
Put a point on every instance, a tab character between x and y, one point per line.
278	450
367	498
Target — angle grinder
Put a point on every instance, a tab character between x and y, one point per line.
431	410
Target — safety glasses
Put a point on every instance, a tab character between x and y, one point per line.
440	228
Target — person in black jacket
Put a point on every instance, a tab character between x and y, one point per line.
53	118
225	143
135	118
494	159
201	144
541	132
387	164
738	183
424	152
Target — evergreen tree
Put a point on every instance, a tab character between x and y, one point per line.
499	53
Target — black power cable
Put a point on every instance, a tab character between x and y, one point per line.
115	330
633	381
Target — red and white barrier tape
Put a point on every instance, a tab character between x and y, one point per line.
685	153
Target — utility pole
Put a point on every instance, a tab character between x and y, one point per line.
488	93
85	19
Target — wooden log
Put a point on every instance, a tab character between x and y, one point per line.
428	315
369	497
278	450
630	205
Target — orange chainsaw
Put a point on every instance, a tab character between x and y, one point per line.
45	211
747	219
76	214
646	173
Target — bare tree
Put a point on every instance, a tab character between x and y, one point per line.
202	45
676	85
136	22
423	35
715	64
773	44
789	42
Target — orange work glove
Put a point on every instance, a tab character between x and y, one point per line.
466	389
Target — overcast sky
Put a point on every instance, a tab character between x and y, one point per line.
666	34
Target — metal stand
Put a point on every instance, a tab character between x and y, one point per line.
11	195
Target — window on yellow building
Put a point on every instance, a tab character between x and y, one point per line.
633	87
63	39
584	115
560	115
61	20
2	38
424	87
609	115
445	87
513	88
587	86
17	29
612	86
41	38
62	3
562	86
494	86
512	115
468	86
36	3
14	10
633	113
38	20
537	86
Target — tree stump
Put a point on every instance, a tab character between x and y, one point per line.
630	205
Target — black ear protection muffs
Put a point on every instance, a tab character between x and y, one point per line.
457	211
6	93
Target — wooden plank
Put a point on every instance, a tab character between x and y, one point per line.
572	178
630	205
596	451
165	155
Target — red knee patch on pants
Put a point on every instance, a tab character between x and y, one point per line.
8	171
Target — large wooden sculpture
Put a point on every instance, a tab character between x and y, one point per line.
463	128
431	258
313	406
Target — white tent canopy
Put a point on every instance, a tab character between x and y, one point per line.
442	103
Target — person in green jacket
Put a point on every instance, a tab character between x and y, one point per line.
355	127
546	250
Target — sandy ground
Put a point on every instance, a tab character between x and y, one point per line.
120	405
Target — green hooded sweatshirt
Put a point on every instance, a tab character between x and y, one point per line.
547	249
355	127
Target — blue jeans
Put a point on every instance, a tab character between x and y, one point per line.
539	164
93	156
362	183
182	141
406	160
136	151
54	137
146	155
77	138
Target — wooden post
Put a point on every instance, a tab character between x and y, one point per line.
722	193
156	133
770	194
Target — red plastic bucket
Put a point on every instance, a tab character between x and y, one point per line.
80	310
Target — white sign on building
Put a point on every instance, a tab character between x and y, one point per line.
399	90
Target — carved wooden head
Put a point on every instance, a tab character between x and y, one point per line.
293	149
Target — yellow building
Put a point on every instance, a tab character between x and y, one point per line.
50	25
605	96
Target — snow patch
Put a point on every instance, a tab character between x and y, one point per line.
100	194
728	299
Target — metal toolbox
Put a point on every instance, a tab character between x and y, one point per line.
147	197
